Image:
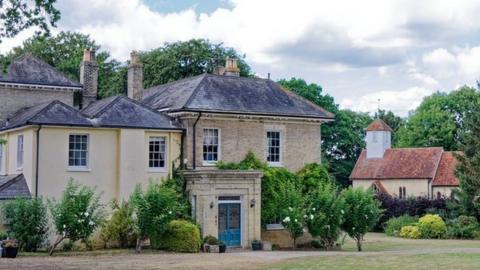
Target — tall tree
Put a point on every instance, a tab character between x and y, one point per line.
182	59
468	168
65	51
439	120
18	15
342	139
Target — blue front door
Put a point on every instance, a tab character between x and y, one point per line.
229	225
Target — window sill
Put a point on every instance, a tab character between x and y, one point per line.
211	164
275	164
78	169
157	170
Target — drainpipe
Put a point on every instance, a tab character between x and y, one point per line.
195	141
37	160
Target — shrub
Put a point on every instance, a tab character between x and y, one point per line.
121	226
154	209
464	227
432	226
77	215
312	176
324	215
411	232
181	236
250	162
394	225
3	235
210	240
28	222
362	212
291	208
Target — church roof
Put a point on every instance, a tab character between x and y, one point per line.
446	171
231	94
379	125
28	69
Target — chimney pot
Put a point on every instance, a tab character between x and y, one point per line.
231	67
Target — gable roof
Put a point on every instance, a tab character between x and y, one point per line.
13	186
399	163
29	69
117	111
120	111
230	94
446	171
379	125
47	113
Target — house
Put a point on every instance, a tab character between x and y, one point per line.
403	172
118	142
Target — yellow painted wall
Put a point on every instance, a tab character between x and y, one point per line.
117	159
413	187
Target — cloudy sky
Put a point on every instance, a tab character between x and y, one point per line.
359	51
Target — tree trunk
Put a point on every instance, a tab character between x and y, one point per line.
138	247
359	244
52	248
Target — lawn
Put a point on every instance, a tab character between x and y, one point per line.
380	252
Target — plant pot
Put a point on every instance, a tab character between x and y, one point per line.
211	248
257	246
222	248
11	252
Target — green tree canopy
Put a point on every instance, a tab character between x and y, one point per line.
182	59
65	52
439	120
18	15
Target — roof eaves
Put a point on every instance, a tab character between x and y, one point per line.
251	113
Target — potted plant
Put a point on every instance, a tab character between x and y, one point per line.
256	245
222	247
210	244
10	248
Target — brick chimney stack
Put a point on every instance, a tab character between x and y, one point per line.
89	77
135	77
231	68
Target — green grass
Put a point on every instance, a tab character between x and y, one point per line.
373	262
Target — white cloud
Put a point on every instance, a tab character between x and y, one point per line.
399	102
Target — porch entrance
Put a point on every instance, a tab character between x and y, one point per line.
229	222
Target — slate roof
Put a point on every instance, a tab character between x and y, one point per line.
120	111
379	125
230	94
13	186
117	111
446	171
29	69
399	163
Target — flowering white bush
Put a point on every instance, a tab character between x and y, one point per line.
77	214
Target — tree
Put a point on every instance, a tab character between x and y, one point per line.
18	15
362	212
311	177
65	52
292	209
77	215
325	214
468	168
342	139
183	59
439	120
28	222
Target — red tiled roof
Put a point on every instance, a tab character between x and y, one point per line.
446	171
379	125
399	163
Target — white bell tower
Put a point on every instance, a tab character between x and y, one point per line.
378	138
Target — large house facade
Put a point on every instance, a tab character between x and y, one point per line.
403	172
119	142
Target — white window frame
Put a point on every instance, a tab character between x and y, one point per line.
219	149
82	168
158	169
1	159
274	163
20	151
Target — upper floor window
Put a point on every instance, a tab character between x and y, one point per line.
211	145
156	153
20	152
78	150
1	158
274	147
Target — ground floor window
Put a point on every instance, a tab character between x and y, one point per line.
402	192
157	150
78	150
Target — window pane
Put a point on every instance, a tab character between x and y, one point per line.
157	150
78	150
273	146
210	145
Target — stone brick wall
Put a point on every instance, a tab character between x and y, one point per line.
13	99
89	80
300	141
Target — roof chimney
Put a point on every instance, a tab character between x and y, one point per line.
231	68
89	77
135	77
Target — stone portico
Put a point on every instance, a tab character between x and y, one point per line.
226	204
